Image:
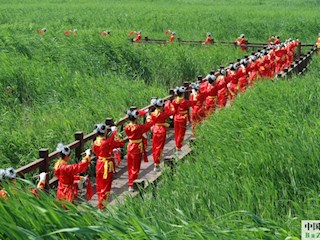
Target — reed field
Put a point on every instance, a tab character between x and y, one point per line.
253	173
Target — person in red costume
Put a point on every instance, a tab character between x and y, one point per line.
66	173
105	167
241	41
281	57
252	70
138	35
212	95
159	129
105	33
209	39
274	40
198	110
70	32
180	119
233	81
243	75
222	88
9	173
172	35
135	148
41	31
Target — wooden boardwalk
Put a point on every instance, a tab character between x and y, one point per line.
119	190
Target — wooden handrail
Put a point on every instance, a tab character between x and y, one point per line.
43	162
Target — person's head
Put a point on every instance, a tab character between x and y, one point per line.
199	78
222	71
212	79
208	34
195	86
64	151
180	91
132	115
9	173
157	102
242	35
173	33
102	129
277	37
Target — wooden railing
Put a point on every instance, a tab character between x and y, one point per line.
299	66
42	164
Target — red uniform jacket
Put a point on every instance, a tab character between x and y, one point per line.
66	174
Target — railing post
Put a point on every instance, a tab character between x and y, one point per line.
299	51
80	149
44	153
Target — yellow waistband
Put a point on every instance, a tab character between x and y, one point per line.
162	124
105	158
136	141
212	97
183	112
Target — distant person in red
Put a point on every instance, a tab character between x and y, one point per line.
212	95
159	129
181	107
198	110
172	35
222	89
241	41
233	81
138	35
9	173
42	31
105	33
243	75
103	148
135	148
66	173
252	70
70	32
274	40
209	39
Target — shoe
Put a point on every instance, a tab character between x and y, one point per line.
157	169
130	189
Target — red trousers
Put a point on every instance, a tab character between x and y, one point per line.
197	115
159	134
103	188
134	163
103	181
210	105
180	127
243	84
222	98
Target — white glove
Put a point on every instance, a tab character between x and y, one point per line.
114	128
88	152
43	176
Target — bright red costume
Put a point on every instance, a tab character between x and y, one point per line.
105	167
159	130
181	107
212	95
66	175
135	148
198	110
222	91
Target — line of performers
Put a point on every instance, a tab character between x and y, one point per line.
207	95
